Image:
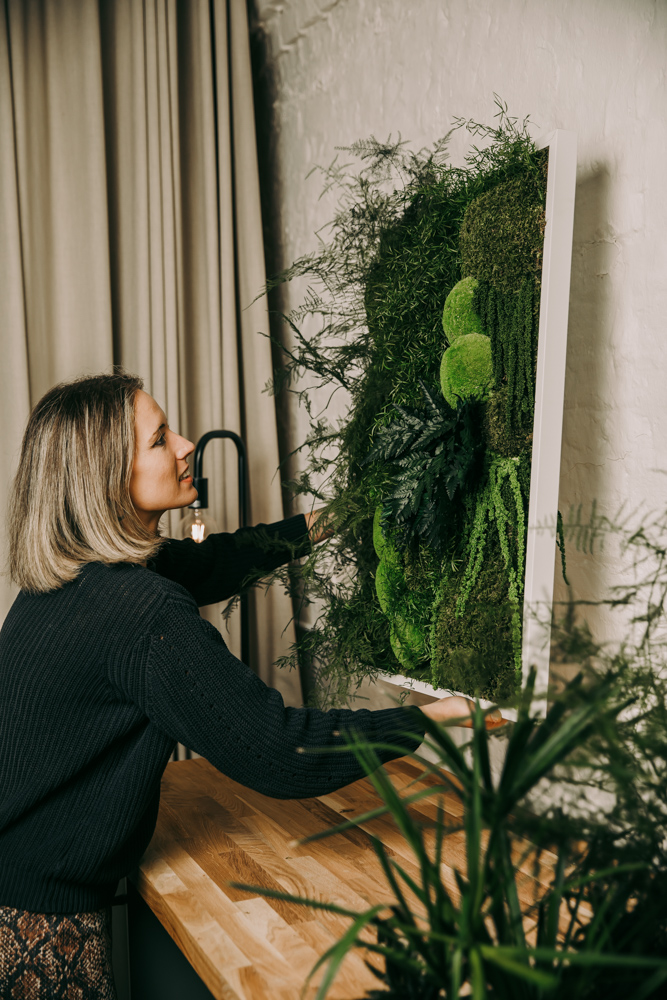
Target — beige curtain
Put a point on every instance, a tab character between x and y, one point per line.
130	232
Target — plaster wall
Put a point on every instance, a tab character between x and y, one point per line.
333	71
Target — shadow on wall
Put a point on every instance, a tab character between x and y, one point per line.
588	400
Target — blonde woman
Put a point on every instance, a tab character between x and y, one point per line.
105	664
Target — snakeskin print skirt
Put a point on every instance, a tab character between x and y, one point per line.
55	956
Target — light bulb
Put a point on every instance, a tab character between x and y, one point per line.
197	524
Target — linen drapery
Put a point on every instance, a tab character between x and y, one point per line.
130	233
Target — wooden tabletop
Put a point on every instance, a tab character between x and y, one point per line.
211	831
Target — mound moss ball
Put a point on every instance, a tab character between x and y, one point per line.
458	316
389	579
379	542
408	643
467	369
382	585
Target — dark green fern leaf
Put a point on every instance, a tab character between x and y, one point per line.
434	453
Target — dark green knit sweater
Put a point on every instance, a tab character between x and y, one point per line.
98	682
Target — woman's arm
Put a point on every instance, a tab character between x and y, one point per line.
193	689
216	569
318	527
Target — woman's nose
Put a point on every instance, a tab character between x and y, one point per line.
184	447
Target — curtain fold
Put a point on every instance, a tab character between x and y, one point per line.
15	394
131	234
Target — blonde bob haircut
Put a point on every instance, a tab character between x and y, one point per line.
70	501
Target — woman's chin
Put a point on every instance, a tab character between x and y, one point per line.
187	497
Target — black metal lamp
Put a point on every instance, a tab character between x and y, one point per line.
198	523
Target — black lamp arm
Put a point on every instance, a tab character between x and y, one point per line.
201	484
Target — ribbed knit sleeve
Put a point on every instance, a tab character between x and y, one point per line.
217	568
199	694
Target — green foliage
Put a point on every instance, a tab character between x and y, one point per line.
378	535
406	604
408	642
464	643
459	316
389	580
502	233
474	651
433	454
511	319
466	368
501	437
493	511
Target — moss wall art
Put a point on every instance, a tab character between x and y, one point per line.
425	300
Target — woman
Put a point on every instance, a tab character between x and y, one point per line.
105	664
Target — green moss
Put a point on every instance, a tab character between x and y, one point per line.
390	584
466	369
408	643
499	516
383	585
473	653
379	542
459	316
502	234
512	320
376	292
503	439
415	262
406	606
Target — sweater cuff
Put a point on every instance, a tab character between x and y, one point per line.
294	531
401	727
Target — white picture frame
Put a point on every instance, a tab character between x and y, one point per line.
549	396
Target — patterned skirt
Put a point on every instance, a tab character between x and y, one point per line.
55	956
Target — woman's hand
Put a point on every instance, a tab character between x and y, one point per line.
459	712
317	532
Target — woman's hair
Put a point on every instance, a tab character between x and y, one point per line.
70	501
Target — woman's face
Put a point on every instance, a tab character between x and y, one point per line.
161	478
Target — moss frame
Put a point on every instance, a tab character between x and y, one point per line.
351	639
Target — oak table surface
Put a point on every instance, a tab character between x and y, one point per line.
212	831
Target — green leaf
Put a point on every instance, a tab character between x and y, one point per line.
335	955
506	959
434	453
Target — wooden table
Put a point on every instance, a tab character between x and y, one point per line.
211	831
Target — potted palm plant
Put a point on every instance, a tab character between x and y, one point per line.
585	785
599	929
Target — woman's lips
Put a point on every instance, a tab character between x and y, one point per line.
185	479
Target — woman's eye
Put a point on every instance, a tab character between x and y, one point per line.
160	441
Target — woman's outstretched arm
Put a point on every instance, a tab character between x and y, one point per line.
217	568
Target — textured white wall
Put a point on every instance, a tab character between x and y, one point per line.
344	69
